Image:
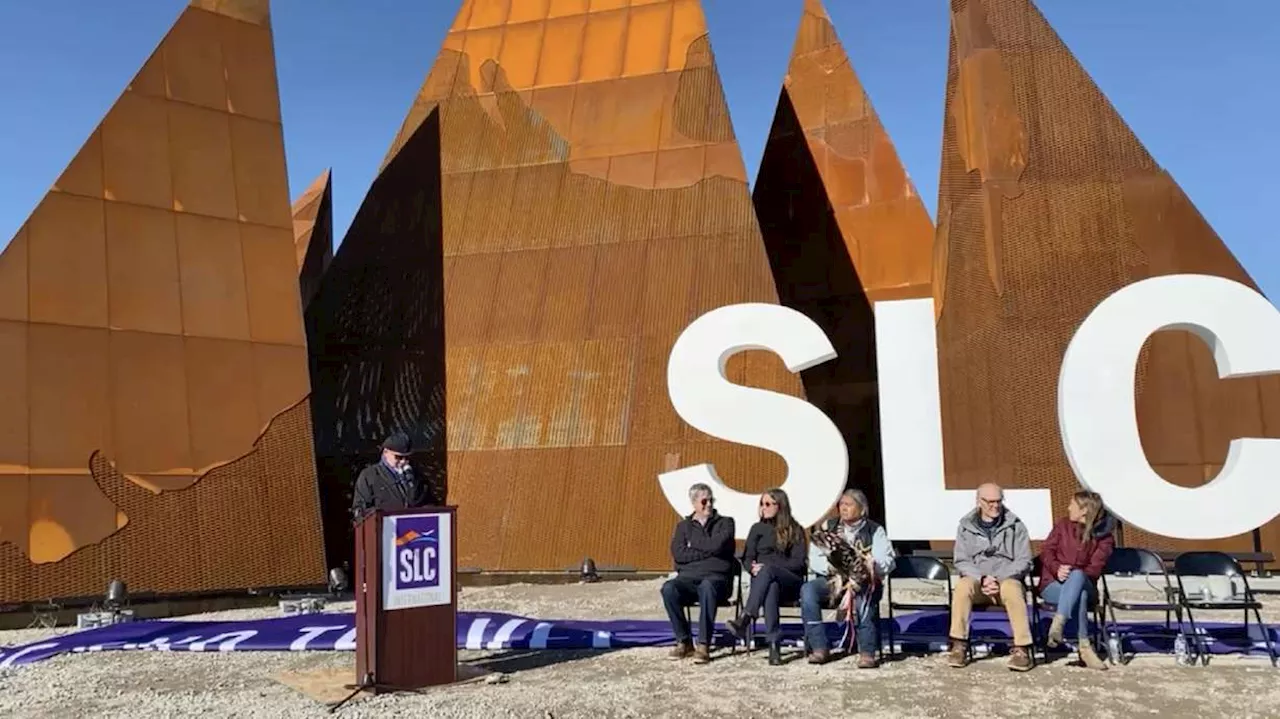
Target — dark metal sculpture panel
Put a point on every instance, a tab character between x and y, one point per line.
1049	203
844	227
376	334
152	358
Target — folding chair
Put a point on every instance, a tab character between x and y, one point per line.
1133	561
913	567
1217	564
1028	598
734	602
782	609
1038	603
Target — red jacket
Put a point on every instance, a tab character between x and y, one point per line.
1065	546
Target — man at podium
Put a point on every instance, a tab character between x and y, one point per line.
390	483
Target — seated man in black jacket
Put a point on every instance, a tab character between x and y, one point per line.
702	548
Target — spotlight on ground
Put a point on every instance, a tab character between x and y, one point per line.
589	573
337	580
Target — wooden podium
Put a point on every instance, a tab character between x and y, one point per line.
406	599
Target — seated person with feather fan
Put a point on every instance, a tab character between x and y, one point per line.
852	555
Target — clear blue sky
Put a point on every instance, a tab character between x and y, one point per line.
1199	82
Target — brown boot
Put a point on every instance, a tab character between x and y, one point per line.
681	650
702	654
1055	631
1089	657
1019	659
867	661
819	656
958	654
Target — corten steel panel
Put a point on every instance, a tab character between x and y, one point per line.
593	207
375	333
152	353
844	227
313	234
1048	203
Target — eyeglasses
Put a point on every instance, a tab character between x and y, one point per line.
991	502
399	457
767	503
704	500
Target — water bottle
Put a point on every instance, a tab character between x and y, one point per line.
1180	653
1115	649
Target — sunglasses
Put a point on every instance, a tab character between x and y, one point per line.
399	457
767	503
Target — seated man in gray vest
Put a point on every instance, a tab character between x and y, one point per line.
856	529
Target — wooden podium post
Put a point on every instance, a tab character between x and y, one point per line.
406	599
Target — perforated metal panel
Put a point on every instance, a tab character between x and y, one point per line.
151	343
594	203
313	234
1049	203
844	227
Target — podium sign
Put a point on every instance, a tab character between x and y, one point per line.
416	552
406	599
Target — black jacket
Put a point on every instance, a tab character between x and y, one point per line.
378	488
700	551
762	547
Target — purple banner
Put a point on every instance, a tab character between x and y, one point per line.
916	632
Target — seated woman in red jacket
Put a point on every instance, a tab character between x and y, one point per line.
1072	558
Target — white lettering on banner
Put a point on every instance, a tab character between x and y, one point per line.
917	503
813	448
1096	411
1099	420
9	660
346	642
309	633
225	642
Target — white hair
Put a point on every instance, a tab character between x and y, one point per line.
697	489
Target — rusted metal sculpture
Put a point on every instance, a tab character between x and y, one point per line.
1049	203
844	227
595	202
313	234
153	368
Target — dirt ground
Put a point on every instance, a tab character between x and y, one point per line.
631	682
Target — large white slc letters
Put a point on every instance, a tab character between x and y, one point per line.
1099	422
917	503
814	450
1096	412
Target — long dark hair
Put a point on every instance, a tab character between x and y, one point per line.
785	529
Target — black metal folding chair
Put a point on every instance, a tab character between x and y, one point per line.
783	606
1136	562
1218	564
734	602
1038	603
914	567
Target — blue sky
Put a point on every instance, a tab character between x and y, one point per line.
1198	82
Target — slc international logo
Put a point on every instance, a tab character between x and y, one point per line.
417	552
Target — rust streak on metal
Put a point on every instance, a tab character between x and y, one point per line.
149	319
1048	203
595	202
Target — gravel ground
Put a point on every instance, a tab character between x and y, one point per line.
626	683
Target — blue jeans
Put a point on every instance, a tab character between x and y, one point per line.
815	594
683	592
1072	599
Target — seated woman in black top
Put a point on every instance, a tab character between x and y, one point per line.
776	554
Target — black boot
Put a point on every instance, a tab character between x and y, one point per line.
738	626
775	654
